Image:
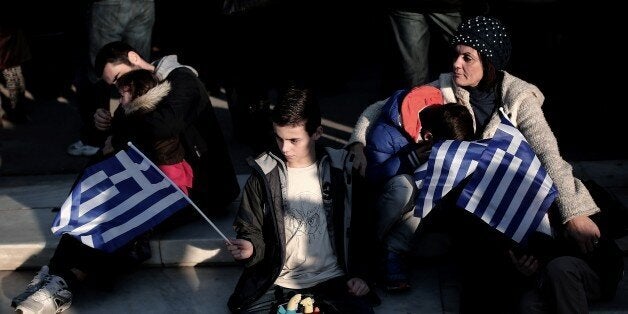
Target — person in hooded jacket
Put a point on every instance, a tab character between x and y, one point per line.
140	92
186	112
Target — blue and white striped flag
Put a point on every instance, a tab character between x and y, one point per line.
510	190
449	163
116	200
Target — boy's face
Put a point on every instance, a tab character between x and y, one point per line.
112	71
296	145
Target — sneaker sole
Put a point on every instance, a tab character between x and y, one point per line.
32	307
82	154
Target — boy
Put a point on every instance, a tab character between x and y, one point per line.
398	143
292	224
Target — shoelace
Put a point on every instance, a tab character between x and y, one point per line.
38	281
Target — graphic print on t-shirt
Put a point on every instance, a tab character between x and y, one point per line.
303	218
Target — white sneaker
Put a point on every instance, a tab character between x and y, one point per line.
52	297
80	149
37	282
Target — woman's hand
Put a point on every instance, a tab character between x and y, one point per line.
359	159
240	249
423	150
107	148
584	231
357	287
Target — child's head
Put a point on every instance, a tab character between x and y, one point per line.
417	99
134	84
447	122
297	125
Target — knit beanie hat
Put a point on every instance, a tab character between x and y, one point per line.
488	36
417	99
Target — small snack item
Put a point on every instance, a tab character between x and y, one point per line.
291	306
308	305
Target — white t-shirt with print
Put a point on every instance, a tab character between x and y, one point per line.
309	256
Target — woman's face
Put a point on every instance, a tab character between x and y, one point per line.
468	70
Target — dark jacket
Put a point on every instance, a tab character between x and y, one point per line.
260	221
187	112
389	150
128	126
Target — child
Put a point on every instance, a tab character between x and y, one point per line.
292	223
140	92
398	143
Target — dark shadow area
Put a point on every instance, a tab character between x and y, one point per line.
340	49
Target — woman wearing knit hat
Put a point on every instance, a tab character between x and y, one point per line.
478	81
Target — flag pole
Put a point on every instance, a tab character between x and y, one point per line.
184	195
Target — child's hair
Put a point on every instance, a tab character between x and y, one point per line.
138	82
114	52
297	106
447	122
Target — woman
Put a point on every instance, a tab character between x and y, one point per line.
479	82
482	49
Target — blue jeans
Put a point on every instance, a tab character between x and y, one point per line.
397	226
396	223
128	20
412	34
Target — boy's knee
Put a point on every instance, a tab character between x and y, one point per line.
400	187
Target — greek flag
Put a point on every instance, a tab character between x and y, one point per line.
449	163
116	200
510	190
508	187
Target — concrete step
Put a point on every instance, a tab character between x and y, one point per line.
26	215
27	243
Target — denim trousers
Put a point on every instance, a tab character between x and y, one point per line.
128	20
396	223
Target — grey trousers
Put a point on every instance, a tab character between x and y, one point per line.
412	35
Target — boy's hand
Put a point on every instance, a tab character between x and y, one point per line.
357	287
526	264
240	249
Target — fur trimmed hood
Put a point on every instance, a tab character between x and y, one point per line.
148	101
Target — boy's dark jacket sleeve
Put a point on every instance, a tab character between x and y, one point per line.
250	219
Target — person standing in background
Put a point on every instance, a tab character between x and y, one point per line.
414	26
130	21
